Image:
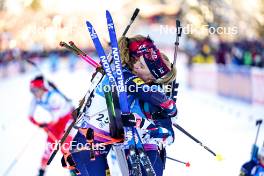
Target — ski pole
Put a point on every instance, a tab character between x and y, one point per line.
218	156
95	64
76	48
187	164
34	65
174	84
84	56
131	21
82	107
61	141
80	54
176	44
254	151
258	123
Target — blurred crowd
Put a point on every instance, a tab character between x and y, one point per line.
240	53
13	61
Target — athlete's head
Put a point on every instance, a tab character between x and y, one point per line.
38	86
141	55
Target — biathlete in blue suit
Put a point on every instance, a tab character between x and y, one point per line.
143	68
254	167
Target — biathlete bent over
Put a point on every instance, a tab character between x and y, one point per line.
155	130
60	108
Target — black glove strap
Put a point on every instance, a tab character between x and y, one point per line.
128	120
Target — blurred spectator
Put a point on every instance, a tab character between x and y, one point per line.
205	56
239	53
72	62
54	61
221	53
236	56
6	57
18	58
191	49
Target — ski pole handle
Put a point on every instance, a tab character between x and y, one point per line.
259	122
179	31
178	34
179	28
254	150
76	48
84	56
64	44
131	21
135	14
80	53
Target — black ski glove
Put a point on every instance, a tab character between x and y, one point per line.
129	120
163	114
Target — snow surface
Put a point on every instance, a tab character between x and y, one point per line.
225	126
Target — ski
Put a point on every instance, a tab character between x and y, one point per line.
117	161
115	128
109	73
132	155
118	66
143	158
133	158
117	152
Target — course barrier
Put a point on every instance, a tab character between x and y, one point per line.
238	82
